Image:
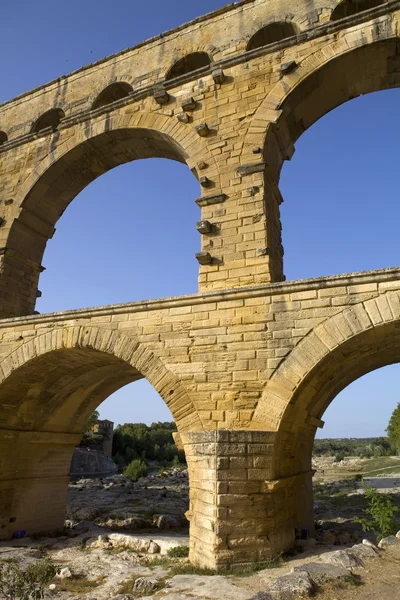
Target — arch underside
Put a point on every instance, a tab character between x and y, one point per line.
369	68
56	380
59	390
372	349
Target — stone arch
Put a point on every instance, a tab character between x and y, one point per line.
188	63
310	91
113	92
357	340
3	137
48	387
79	367
347	8
360	339
91	150
271	33
50	118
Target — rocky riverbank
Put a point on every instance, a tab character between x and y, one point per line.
154	502
128	541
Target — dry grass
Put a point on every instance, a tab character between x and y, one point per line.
78	584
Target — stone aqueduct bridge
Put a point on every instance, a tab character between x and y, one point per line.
250	363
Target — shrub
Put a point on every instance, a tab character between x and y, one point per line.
136	469
339	457
178	551
16	584
382	510
176	462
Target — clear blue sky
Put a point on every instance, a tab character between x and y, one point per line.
117	242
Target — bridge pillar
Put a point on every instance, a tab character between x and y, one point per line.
235	519
34	476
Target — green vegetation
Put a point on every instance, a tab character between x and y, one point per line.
381	466
361	447
91	422
183	567
381	511
393	429
149	443
136	469
178	551
16	584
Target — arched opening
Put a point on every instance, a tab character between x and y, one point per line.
76	169
347	193
347	8
3	137
362	353
134	235
187	64
271	33
45	403
112	93
51	118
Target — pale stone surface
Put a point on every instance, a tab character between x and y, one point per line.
292	586
388	541
321	573
364	551
64	573
343	558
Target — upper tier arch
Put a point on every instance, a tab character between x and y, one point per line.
273	32
51	118
113	92
347	8
187	64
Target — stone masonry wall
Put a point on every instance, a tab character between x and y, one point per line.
223	362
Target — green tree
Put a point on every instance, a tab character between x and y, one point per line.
91	422
393	429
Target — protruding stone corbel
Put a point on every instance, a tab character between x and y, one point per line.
203	130
205	182
189	104
183	118
315	422
204	258
204	227
278	484
288	67
251	168
161	96
218	76
215	199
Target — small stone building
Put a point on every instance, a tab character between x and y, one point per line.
106	429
